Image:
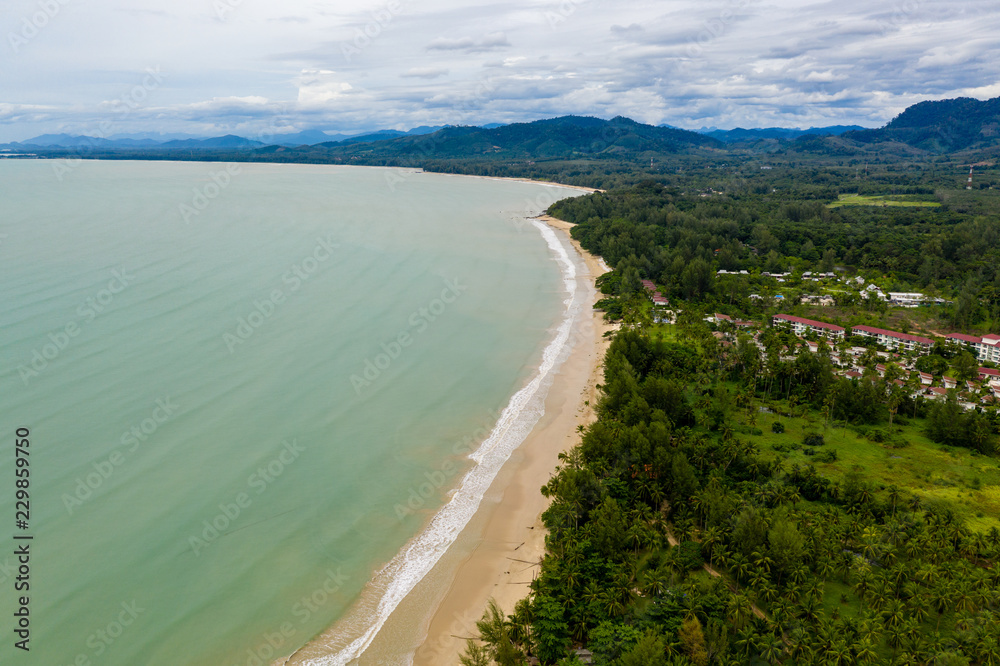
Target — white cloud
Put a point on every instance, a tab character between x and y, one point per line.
425	73
490	42
688	63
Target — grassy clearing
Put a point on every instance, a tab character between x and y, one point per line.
887	200
955	478
666	332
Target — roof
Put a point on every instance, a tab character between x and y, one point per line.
990	372
648	284
926	375
852	374
965	338
938	391
893	334
810	322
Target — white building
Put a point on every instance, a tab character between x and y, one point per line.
987	348
893	340
802	326
907	300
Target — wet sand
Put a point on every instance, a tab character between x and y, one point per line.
511	539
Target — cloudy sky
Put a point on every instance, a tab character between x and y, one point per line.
256	67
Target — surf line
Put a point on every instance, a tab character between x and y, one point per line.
523	411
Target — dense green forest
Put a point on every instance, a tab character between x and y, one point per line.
744	503
681	240
679	535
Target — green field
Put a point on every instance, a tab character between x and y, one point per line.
962	480
887	200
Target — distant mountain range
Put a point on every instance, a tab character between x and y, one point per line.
740	134
556	138
929	127
151	140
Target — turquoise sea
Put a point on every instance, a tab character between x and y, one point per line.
260	399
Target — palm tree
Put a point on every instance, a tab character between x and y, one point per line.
839	653
772	650
894	613
941	596
865	652
894	496
746	642
709	539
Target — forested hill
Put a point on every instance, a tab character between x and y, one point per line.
944	126
566	137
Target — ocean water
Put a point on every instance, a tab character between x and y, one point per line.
262	399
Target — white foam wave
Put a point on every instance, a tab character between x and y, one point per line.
525	408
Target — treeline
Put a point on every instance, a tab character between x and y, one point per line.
680	241
672	539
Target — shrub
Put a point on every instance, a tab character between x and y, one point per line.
689	555
826	456
778	427
813	439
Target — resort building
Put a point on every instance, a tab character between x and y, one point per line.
802	326
894	340
658	299
987	348
907	300
726	319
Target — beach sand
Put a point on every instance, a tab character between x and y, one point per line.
496	554
512	538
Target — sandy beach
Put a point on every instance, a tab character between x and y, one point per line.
511	536
497	552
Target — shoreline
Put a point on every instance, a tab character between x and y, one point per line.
415	169
430	625
510	532
507	523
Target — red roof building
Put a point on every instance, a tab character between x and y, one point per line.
802	326
987	347
893	339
